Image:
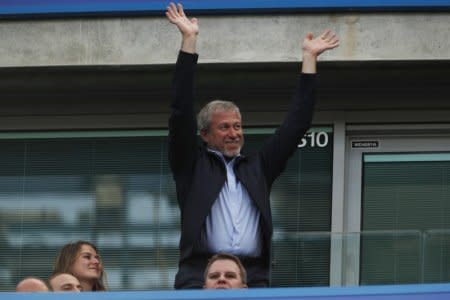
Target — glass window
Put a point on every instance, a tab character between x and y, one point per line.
405	218
301	208
115	189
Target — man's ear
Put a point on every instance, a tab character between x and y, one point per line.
204	135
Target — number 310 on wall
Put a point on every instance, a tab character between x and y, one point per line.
314	139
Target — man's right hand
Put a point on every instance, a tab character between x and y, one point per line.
188	28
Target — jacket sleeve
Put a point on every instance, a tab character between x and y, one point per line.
282	144
182	123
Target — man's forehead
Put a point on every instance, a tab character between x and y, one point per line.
225	114
224	265
70	284
66	278
225	118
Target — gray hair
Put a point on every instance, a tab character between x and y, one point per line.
205	114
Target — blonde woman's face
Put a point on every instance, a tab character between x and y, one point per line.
87	265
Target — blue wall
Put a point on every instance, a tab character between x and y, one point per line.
389	292
21	8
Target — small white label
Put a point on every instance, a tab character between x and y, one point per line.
365	144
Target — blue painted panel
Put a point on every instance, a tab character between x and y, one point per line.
388	292
89	7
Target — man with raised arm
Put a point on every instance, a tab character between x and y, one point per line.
223	195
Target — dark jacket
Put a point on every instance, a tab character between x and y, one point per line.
200	175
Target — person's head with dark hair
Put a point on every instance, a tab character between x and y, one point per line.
64	282
82	260
32	284
225	271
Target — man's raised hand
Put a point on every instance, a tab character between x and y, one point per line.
315	46
175	14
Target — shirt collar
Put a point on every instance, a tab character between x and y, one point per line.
220	154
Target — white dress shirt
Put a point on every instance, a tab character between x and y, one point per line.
233	224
